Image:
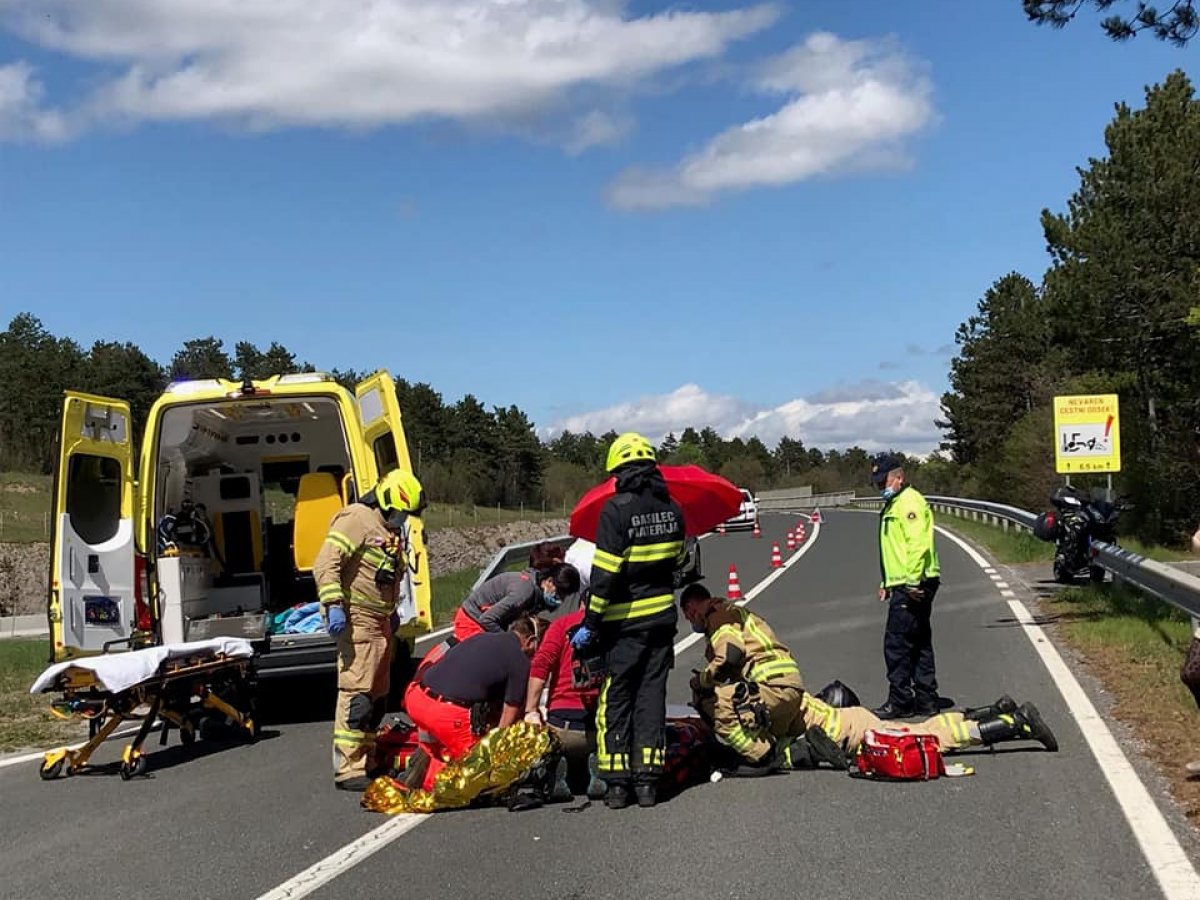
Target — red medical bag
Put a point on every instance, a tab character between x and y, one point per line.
889	753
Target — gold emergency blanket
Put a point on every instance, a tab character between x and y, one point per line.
503	757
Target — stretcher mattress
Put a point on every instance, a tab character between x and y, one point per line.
120	671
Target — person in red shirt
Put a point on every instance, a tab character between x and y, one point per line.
570	707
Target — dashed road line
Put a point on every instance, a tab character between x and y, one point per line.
1176	875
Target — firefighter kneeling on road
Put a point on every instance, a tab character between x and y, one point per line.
751	692
754	718
360	573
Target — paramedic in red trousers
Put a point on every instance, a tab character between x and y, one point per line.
631	616
476	685
572	695
500	600
908	563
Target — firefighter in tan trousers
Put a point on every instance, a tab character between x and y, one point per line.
360	572
752	692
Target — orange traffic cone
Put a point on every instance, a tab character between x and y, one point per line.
757	530
734	591
816	516
791	541
721	528
776	559
799	529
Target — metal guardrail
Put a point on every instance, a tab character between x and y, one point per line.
1171	585
508	556
768	503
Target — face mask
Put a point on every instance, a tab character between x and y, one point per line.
887	493
395	519
552	600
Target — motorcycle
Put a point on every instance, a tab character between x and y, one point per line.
1077	522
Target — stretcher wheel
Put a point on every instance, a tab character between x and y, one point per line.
187	734
134	768
52	771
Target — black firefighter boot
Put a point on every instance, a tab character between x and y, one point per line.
813	748
1006	706
645	786
617	794
1024	723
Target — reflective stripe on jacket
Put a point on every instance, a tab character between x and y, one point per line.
743	647
357	546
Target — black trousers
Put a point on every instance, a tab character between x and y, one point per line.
632	712
908	648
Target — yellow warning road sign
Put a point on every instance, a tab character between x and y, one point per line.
1087	431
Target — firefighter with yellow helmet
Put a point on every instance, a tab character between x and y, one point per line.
631	617
360	572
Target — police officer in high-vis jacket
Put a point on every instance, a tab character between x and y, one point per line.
360	572
908	563
631	614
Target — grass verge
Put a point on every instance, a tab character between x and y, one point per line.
24	507
25	719
448	593
1135	645
1010	546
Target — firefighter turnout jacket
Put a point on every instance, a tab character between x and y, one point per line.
742	647
639	545
906	550
362	563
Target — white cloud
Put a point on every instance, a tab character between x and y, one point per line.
852	105
874	415
362	63
655	416
22	117
596	129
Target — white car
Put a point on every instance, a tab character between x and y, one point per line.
747	516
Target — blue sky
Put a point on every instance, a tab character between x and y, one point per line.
770	219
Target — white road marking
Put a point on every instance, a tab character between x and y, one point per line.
1002	584
28	757
345	858
1176	875
761	586
1007	594
323	872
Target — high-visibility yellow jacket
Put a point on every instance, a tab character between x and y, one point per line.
907	554
358	546
743	647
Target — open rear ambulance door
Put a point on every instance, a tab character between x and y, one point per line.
91	598
383	435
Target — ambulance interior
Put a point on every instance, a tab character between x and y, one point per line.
243	495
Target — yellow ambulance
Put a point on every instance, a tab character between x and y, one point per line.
217	532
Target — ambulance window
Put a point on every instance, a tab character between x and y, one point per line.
94	497
385	453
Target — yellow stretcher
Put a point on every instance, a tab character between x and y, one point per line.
180	684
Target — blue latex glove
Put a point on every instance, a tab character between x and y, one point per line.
582	637
337	621
394	621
